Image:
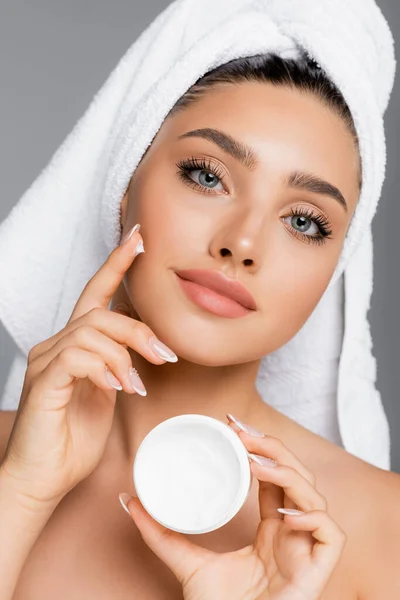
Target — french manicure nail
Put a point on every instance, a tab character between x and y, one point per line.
247	428
112	380
262	460
124	499
290	511
161	350
130	234
136	382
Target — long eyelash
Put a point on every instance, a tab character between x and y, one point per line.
192	164
322	223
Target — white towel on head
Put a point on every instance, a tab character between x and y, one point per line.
64	226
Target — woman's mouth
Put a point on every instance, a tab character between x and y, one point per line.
212	301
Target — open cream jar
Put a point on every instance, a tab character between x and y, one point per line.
192	473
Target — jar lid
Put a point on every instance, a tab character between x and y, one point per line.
192	473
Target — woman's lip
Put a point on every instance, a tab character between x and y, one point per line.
212	301
218	282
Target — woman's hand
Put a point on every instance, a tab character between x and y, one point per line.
67	403
292	557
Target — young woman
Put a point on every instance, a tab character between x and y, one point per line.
212	195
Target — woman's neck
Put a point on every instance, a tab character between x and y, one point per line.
179	388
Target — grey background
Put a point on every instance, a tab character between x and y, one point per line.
55	55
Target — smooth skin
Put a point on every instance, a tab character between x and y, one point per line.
67	403
279	564
60	433
74	437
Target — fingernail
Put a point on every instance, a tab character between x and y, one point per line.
130	234
247	428
138	248
161	350
290	511
262	460
124	499
136	382
112	380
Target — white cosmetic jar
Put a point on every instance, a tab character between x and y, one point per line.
192	473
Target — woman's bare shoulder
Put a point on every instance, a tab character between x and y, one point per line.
382	522
366	506
7	418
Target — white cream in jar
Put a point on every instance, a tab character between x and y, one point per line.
192	473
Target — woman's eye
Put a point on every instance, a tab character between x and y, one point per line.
201	174
310	227
205	178
303	224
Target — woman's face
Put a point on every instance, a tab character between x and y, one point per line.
240	219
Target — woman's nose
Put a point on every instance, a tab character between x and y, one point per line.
243	257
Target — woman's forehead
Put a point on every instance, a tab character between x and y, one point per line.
285	129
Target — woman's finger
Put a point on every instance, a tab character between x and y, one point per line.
70	364
180	555
271	496
330	538
122	309
95	318
100	289
295	486
120	328
270	447
114	355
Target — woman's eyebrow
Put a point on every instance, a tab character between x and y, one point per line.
248	157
